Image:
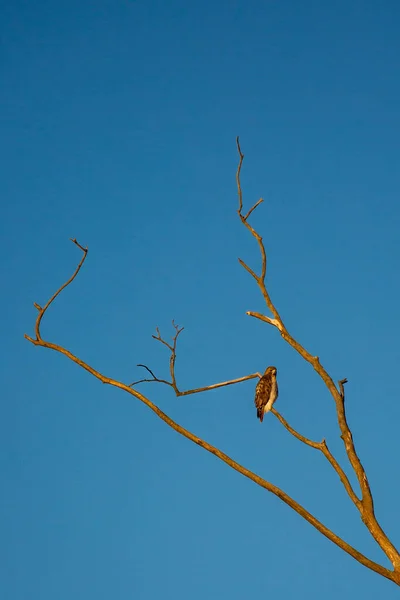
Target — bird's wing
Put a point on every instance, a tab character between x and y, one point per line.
263	390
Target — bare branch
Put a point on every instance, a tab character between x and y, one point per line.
241	157
172	361
159	339
58	292
155	379
322	447
150	371
366	507
257	315
149	381
391	575
253	208
219	385
342	383
245	266
172	348
260	279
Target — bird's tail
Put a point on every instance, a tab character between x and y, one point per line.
260	414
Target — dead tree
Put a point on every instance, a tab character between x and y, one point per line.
361	498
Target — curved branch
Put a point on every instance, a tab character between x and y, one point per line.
58	292
229	461
391	575
361	558
154	378
366	506
322	447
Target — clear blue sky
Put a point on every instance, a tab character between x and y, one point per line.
118	127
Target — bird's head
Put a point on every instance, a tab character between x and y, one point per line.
271	371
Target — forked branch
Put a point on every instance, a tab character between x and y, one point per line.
366	505
39	341
321	446
172	360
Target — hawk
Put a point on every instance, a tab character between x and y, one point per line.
266	392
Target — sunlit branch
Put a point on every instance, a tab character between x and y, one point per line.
322	447
172	361
393	576
366	506
54	296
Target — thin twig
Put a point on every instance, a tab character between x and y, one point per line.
149	370
342	383
219	385
253	208
159	339
245	266
241	157
155	379
54	296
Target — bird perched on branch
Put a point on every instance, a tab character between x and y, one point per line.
266	392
